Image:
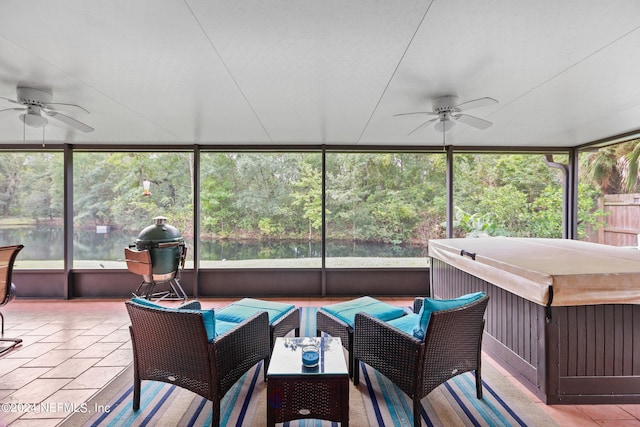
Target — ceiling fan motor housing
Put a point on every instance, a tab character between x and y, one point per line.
444	103
33	96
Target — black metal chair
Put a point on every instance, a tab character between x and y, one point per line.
8	256
452	346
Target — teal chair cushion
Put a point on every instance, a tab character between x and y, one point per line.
405	323
430	305
222	326
239	311
346	311
208	316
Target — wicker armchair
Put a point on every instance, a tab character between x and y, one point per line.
172	347
8	256
452	346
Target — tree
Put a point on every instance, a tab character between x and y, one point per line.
40	194
10	174
546	219
629	165
308	195
108	189
508	207
374	197
614	169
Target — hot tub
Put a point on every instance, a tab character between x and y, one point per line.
561	313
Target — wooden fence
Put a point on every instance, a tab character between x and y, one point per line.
622	222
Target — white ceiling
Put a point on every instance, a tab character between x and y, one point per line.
325	71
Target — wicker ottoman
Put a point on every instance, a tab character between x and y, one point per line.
338	319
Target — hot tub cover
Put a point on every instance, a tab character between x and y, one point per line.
580	273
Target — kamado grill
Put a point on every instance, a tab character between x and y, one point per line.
158	256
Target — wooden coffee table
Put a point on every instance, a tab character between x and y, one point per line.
296	392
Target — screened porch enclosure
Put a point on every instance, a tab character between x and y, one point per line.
285	222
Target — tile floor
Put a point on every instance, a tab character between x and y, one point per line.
71	349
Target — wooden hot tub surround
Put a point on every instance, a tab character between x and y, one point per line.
563	315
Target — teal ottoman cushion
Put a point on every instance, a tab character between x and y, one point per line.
346	311
239	311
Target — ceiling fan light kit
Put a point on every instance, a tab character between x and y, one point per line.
33	119
444	123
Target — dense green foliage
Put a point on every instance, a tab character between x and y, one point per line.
31	185
369	197
108	189
373	197
614	169
389	197
516	195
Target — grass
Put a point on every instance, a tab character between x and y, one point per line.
21	222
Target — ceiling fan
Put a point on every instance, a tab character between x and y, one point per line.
448	112
37	104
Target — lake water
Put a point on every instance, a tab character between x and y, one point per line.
47	244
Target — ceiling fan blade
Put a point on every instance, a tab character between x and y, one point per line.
70	121
423	125
8	111
49	106
10	100
473	121
476	103
431	113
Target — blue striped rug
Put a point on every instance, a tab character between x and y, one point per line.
166	404
375	402
453	404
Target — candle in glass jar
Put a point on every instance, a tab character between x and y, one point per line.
310	356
